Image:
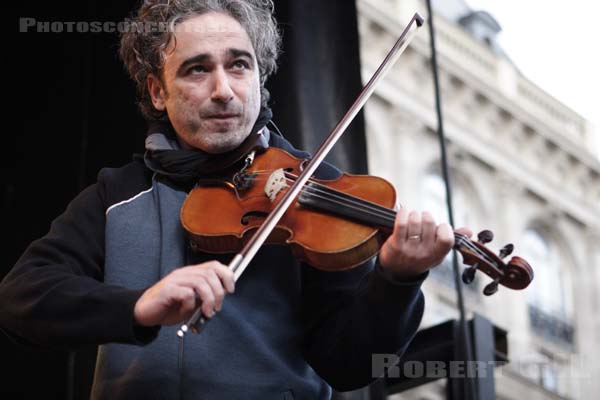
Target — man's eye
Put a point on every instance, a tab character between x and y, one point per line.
197	69
241	64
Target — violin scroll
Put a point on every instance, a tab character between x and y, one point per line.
516	274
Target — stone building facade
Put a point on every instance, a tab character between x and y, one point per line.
522	165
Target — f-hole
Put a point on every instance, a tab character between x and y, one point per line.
303	164
245	220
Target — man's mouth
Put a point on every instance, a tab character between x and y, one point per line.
222	116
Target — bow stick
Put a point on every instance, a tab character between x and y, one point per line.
241	260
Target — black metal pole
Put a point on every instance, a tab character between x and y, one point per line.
467	354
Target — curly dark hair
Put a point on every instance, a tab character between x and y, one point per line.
152	28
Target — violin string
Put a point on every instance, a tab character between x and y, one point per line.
382	212
368	207
342	196
390	217
348	197
345	199
318	190
372	209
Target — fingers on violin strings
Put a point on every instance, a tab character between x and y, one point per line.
465	231
444	239
414	229
402	223
428	227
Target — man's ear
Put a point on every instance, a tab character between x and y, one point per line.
156	91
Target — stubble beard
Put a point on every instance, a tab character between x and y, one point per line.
216	142
208	137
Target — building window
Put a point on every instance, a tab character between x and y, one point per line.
550	297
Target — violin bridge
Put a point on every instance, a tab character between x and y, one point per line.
275	184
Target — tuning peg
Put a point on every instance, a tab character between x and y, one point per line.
485	236
491	288
469	274
506	250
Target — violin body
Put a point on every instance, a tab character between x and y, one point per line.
220	216
332	224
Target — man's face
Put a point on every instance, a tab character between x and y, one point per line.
210	86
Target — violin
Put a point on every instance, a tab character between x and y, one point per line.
332	224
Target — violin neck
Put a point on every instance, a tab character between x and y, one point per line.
331	201
323	198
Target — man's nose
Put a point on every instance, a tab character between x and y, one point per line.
222	91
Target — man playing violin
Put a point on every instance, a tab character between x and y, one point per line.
116	269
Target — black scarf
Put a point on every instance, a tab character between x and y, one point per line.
165	157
